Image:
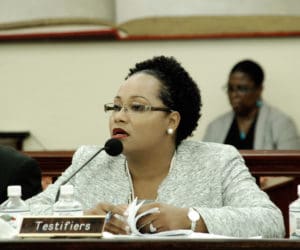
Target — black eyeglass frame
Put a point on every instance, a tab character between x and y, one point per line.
239	89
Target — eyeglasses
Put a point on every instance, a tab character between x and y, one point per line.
239	89
134	108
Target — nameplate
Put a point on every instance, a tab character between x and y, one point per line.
58	226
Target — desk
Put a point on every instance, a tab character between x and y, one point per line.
52	163
273	162
153	244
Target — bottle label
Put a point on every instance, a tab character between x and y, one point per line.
14	219
295	223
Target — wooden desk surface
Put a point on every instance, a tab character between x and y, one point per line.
153	244
273	162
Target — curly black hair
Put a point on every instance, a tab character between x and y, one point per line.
252	69
179	91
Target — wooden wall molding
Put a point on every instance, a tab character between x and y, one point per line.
260	162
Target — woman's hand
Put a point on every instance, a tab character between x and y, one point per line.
168	218
117	223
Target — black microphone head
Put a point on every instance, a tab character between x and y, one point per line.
113	147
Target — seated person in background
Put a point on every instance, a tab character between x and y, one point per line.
18	169
155	109
252	123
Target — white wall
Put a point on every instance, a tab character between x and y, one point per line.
56	90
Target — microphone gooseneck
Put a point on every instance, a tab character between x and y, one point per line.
112	147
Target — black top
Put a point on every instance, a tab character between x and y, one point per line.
236	138
18	169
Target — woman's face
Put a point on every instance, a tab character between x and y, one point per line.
137	130
242	93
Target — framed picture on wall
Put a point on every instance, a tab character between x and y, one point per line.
148	19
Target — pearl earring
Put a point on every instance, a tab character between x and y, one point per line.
170	131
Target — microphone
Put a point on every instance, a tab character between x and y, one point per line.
113	147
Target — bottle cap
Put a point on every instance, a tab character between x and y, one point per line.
66	189
14	191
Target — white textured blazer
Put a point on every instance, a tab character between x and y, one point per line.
274	129
210	177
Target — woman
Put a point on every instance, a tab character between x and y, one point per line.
205	187
252	124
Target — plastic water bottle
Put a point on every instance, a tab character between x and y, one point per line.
14	208
294	214
66	204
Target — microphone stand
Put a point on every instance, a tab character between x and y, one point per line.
70	177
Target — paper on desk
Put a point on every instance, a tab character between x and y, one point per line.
132	219
196	235
173	236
